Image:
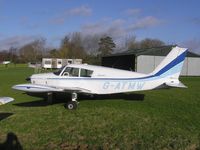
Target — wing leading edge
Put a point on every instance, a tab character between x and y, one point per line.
35	88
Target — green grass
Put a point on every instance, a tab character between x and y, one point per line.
11	65
165	119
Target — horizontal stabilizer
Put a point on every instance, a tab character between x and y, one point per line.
4	100
176	85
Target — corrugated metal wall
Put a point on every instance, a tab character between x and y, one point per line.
193	66
146	64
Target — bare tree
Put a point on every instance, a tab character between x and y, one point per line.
132	43
148	43
54	53
71	47
33	51
64	47
91	44
13	54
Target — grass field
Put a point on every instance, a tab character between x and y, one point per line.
161	119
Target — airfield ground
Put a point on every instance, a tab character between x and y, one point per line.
161	119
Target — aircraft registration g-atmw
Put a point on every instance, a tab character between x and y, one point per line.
89	79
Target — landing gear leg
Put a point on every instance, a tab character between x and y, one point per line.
50	98
73	103
74	97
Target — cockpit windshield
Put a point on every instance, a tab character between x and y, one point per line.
72	72
57	72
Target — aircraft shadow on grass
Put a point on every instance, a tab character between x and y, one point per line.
4	115
63	97
11	143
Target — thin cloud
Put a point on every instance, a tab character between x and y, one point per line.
119	27
3	18
196	20
133	11
192	44
113	28
27	24
145	22
15	41
24	20
1	35
69	13
80	11
57	20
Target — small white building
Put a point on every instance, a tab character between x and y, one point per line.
56	63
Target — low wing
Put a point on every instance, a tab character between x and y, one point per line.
35	88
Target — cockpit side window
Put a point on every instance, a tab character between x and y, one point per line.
72	72
86	73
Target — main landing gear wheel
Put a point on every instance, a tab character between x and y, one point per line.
73	103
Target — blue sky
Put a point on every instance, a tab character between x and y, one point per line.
174	22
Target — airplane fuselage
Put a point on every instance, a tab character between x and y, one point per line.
100	85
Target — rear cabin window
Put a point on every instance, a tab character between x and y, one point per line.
86	73
74	72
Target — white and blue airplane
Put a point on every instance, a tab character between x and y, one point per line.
89	79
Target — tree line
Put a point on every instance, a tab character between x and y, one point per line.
90	48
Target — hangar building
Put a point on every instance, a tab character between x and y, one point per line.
146	60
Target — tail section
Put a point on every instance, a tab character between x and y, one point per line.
170	68
172	64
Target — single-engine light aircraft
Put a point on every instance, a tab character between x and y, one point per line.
89	79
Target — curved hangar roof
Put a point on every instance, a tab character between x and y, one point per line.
155	51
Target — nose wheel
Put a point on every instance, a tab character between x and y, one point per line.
73	103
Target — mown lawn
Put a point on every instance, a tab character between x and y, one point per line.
161	119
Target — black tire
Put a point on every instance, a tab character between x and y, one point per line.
71	105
